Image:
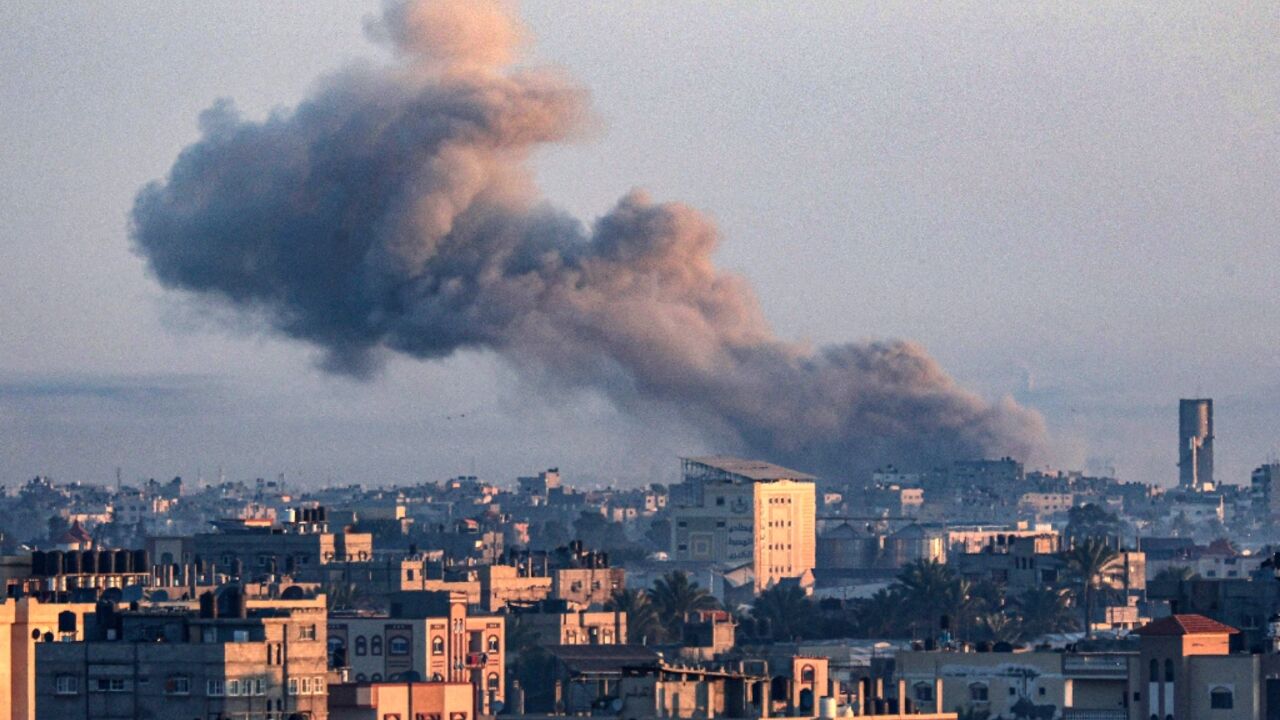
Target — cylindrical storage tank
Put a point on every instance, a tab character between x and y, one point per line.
141	561
88	561
827	708
71	563
106	562
37	564
53	563
124	561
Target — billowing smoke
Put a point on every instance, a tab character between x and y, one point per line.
392	211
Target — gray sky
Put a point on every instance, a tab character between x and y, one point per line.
1076	206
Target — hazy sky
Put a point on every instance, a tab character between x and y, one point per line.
1074	206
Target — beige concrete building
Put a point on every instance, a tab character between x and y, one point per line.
581	627
405	701
1185	670
735	513
427	635
1016	684
24	623
230	661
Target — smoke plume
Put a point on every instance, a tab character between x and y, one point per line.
392	211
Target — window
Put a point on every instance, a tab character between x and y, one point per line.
240	636
214	688
307	632
112	685
233	688
806	674
306	686
923	692
1154	672
978	692
362	645
493	681
66	685
437	645
293	686
494	643
377	677
398	646
1220	698
1168	671
391	716
375	645
317	685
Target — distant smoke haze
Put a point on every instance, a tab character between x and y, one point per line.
393	211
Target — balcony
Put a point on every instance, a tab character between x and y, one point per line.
1108	667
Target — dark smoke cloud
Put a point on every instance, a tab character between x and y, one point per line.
392	211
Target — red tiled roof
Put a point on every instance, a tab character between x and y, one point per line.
1186	625
75	534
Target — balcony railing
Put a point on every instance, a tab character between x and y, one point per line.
1096	665
1093	714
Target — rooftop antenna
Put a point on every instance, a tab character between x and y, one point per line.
119	480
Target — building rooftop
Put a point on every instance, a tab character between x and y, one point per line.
750	469
1186	625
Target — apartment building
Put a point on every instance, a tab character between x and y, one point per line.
427	635
226	661
745	513
24	623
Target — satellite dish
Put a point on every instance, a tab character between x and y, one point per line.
616	705
496	706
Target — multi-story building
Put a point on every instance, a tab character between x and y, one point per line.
227	661
249	548
734	513
1185	669
1264	490
1039	684
24	623
1195	444
555	624
428	635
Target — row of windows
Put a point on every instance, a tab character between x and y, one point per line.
306	686
181	685
400	645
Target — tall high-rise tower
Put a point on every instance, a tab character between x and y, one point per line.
1195	444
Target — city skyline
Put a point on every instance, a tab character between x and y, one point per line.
105	372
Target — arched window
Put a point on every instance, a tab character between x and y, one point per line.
398	646
362	645
1154	717
806	674
1168	671
337	652
923	692
494	643
437	645
1220	698
375	645
377	677
1154	675
492	683
978	692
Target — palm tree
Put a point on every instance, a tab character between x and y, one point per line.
1092	563
785	610
673	595
642	618
930	590
881	614
1044	611
1000	627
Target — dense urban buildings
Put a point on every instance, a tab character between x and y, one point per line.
744	589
